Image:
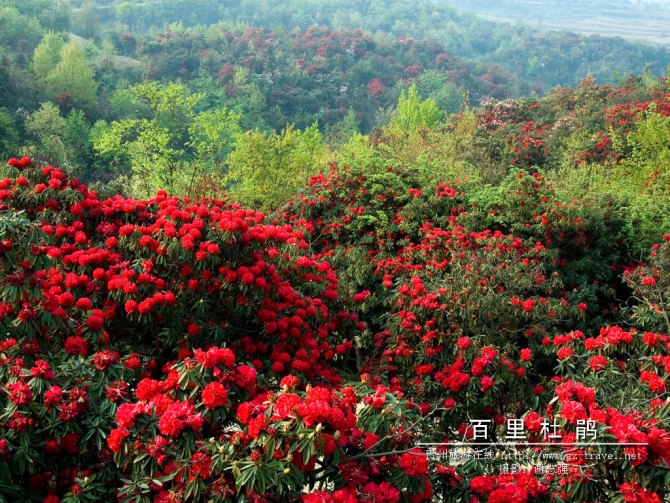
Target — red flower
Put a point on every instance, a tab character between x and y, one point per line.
256	425
84	304
146	389
19	393
482	484
414	462
316	497
361	296
598	363
76	346
573	411
463	343
648	281
214	395
285	406
115	439
533	422
95	323
565	352
215	356
486	383
53	396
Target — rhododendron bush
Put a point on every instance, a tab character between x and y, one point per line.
175	350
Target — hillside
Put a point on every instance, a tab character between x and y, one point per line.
650	22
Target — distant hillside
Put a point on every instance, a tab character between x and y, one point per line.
646	21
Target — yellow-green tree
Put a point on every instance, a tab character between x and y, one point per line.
414	113
47	55
266	169
174	146
71	82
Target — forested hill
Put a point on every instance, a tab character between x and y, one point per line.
70	72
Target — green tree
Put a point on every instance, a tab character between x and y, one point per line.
125	13
414	113
47	129
71	83
88	23
18	31
47	54
212	136
9	138
340	133
77	138
174	146
265	169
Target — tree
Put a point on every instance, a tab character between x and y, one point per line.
18	32
47	55
265	169
47	128
9	138
88	20
77	138
212	136
125	12
414	113
175	145
71	83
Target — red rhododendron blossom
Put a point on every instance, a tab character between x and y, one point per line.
215	356
486	383
53	396
463	343
384	491
633	492
598	363
565	352
214	395
95	323
115	439
177	417
76	346
126	414
146	389
256	425
414	462
648	281
573	411
361	296
19	393
285	406
482	484
533	422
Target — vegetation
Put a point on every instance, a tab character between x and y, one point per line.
312	264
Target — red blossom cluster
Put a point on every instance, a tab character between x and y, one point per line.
196	351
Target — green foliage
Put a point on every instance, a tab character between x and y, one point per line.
265	169
414	113
20	33
71	82
47	55
172	148
9	137
47	128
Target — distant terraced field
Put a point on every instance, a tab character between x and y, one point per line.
602	18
